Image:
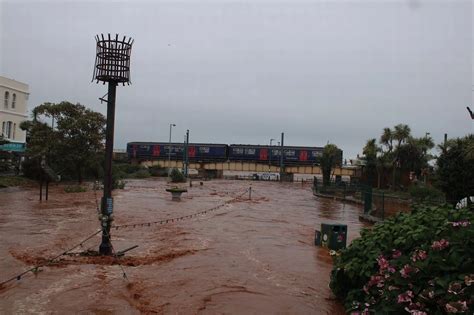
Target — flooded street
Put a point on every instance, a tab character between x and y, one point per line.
247	257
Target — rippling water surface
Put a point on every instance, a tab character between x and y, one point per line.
248	257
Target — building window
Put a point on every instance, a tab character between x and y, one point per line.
3	129
8	130
7	95
14	127
13	100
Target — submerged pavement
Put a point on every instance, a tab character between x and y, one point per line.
247	257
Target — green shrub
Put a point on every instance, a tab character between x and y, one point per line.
422	261
177	176
128	168
75	189
10	181
119	184
157	170
143	173
424	193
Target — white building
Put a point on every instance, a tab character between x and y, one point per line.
13	107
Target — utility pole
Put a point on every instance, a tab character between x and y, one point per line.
169	151
112	65
281	156
184	154
186	162
270	156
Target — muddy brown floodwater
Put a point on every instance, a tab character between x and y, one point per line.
248	257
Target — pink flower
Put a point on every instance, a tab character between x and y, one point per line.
406	270
374	281
396	253
440	245
364	312
456	307
455	288
405	297
419	255
391	269
383	262
468	280
463	223
366	289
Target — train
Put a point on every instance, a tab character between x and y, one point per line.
213	152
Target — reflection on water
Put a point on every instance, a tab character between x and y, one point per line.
250	256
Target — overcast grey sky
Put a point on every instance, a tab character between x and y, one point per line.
244	71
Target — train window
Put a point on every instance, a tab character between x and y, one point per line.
275	152
144	147
250	151
203	149
316	153
238	150
290	153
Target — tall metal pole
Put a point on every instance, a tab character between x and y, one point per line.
281	156
107	201
112	65
186	155
270	156
169	151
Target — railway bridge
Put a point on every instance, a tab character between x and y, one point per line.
216	169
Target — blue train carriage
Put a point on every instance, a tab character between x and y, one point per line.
207	152
248	152
141	151
263	153
147	151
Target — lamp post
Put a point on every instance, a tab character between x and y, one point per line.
270	158
282	167
112	65
169	151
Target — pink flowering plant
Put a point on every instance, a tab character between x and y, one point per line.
414	263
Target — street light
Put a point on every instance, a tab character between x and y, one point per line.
270	159
169	151
112	65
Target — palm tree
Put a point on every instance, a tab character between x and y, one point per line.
387	138
401	133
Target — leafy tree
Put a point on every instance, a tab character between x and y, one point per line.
370	153
456	169
74	145
330	159
4	165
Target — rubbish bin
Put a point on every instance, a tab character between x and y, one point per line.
333	236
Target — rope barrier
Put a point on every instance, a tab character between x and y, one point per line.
50	261
164	221
172	220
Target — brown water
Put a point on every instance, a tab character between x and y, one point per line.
248	257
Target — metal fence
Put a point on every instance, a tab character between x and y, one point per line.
378	205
